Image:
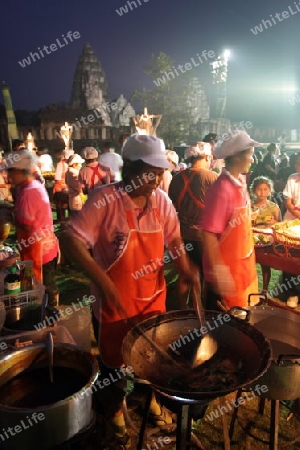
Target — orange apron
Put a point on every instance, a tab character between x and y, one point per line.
237	251
187	189
140	298
37	249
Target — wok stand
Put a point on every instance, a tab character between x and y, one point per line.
185	439
274	420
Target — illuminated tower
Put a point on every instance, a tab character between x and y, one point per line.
219	72
10	115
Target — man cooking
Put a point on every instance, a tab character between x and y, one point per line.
228	248
125	226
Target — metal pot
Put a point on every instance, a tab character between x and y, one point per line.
244	342
281	327
27	396
26	317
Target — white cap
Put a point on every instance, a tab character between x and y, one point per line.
75	159
200	149
173	158
149	149
20	159
237	141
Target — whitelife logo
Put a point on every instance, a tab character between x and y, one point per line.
53	47
167	76
265	24
124	9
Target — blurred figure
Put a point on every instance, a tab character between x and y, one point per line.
94	174
74	186
187	192
5	191
112	160
17	144
60	189
45	161
292	194
269	162
173	159
216	164
34	223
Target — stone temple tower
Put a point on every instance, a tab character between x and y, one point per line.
90	89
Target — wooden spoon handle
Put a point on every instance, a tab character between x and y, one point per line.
196	291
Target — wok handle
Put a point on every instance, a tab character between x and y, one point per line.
239	308
292	358
264	296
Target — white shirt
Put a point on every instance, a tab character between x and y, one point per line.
292	190
114	161
45	163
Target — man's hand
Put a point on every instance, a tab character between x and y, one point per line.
110	296
223	280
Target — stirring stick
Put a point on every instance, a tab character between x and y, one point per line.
49	346
208	345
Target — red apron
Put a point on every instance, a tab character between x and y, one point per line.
96	171
187	189
237	251
141	297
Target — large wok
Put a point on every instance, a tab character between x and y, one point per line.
244	342
281	327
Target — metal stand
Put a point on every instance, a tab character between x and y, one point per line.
184	435
274	420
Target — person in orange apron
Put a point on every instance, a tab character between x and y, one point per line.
34	224
187	192
125	225
228	252
94	174
60	188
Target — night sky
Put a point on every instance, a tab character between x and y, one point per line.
263	67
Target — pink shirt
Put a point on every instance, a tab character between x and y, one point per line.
219	208
102	224
33	208
219	203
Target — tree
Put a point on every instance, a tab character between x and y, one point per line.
173	96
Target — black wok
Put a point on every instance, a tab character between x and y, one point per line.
244	342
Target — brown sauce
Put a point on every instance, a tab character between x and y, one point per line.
33	389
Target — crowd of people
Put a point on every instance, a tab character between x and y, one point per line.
125	210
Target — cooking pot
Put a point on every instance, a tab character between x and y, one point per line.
46	414
281	327
26	317
244	342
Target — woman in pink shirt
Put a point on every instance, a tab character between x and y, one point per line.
36	239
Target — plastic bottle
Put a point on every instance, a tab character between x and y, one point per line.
12	283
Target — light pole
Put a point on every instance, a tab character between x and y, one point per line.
219	70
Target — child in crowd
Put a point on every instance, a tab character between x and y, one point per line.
268	212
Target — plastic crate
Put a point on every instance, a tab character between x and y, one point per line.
26	297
